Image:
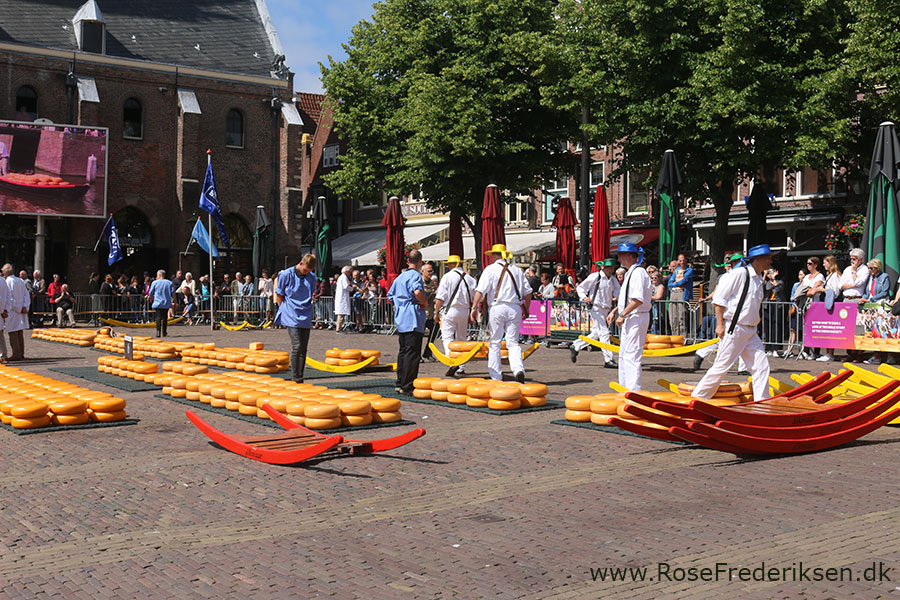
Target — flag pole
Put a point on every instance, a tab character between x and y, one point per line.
99	239
212	300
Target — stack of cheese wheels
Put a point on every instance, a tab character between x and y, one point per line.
133	369
76	337
603	407
460	349
314	406
663	342
481	393
727	393
29	401
345	358
254	359
623	413
144	344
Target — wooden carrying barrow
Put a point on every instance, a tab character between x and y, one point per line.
297	443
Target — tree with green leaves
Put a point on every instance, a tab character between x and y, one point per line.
445	96
733	86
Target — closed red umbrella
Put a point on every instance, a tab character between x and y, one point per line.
565	223
394	245
492	225
600	228
455	235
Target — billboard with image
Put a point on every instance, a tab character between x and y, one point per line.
50	169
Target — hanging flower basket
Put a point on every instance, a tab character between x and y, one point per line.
382	252
843	236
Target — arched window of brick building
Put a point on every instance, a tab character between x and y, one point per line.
234	129
26	104
133	119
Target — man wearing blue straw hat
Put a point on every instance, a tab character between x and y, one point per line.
508	294
633	315
737	301
598	289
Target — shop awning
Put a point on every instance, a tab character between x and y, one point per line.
360	248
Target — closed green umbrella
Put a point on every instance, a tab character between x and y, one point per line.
260	241
322	229
882	236
668	188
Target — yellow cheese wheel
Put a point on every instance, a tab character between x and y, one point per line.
725	390
297	419
578	416
385	405
107	404
354	407
346	362
676	340
334	362
205	398
656	346
317	423
176	393
440	396
502	392
195	396
533	401
229	405
579	403
423	383
247	409
348	394
256	346
333	353
146	368
368	398
462	346
370	354
456	398
108	417
422	394
622	413
605	407
440	385
658	339
458	387
476	402
387	416
179	383
601	419
351	354
297	407
261	414
278	403
504	404
71	419
249	397
322	411
356	420
265	361
534	389
29	410
191	370
479	390
68	407
30	422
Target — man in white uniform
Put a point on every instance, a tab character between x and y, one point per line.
508	295
17	321
342	299
452	304
737	302
5	309
599	289
633	315
731	262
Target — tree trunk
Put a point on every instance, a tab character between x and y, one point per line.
722	201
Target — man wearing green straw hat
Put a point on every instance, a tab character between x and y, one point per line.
599	290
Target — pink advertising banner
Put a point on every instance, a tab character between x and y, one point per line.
834	329
536	323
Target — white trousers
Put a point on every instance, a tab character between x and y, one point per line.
504	320
454	328
706	351
599	332
632	337
743	343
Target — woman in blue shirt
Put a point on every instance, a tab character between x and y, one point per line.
294	289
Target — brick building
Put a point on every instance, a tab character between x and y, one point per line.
169	80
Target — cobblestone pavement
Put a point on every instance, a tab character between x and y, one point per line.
483	506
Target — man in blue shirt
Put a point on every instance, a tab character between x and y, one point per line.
407	293
681	291
294	289
161	291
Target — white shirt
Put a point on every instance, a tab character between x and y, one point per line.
857	279
18	299
599	288
833	283
266	287
636	286
4	304
728	294
547	291
465	290
342	295
514	279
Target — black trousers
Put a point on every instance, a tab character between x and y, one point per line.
408	359
299	342
162	322
433	330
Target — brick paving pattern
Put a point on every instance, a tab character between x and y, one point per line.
481	507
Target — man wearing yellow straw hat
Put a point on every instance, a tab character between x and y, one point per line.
508	294
452	304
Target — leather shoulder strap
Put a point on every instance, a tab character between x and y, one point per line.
743	299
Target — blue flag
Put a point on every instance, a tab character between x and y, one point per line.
209	201
202	236
112	240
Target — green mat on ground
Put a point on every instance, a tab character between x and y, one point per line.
612	429
120	383
386	389
269	423
55	428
